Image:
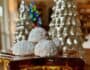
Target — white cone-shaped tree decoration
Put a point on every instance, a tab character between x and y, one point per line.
22	24
65	26
28	18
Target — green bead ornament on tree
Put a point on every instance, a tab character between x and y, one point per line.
34	14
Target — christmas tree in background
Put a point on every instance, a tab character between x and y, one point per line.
20	25
29	17
65	26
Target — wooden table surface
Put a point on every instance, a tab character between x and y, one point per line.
18	58
87	59
26	63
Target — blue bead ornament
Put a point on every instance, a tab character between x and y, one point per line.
34	14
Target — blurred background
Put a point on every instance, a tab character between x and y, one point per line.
9	17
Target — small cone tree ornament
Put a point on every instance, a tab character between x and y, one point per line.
65	26
21	32
29	17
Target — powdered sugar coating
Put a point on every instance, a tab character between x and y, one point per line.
57	42
37	34
45	48
23	48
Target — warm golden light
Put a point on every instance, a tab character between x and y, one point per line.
48	68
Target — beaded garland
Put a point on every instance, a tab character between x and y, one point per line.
34	14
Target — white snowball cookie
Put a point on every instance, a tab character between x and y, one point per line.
45	48
57	42
37	34
23	48
86	44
